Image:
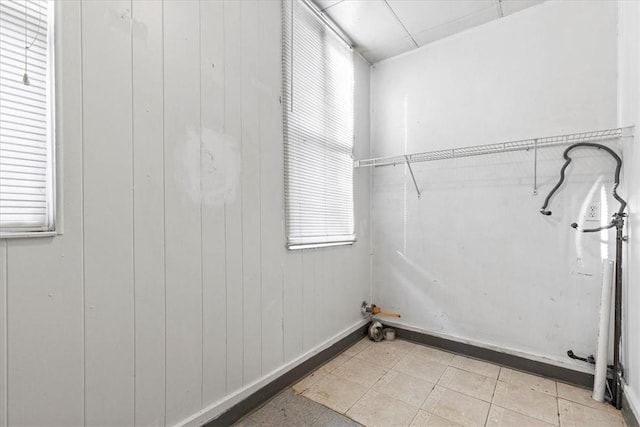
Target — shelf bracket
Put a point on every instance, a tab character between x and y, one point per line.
406	158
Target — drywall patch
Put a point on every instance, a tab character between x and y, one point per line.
220	167
208	166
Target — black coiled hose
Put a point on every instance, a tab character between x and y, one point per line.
623	203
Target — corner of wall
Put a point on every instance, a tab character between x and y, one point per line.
629	114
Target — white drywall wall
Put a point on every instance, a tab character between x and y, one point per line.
629	115
473	259
170	293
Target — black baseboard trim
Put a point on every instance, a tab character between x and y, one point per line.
290	377
256	399
520	363
627	413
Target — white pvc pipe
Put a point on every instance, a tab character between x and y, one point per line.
602	357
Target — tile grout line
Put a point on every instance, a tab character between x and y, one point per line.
387	370
491	403
555	385
438	384
495	387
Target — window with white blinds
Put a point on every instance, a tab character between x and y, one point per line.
26	117
318	101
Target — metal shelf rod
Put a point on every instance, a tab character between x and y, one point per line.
504	147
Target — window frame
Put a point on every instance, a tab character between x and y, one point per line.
52	227
329	29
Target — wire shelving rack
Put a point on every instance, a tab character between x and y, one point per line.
503	147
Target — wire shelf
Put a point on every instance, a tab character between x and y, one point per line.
504	147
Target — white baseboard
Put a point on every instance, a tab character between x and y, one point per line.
216	408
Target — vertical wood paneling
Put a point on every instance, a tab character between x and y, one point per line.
3	333
360	261
323	310
34	297
233	205
216	157
294	318
309	301
108	212
271	188
249	50
148	181
183	209
331	287
173	209
342	310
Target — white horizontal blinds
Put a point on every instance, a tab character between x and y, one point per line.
318	130
25	140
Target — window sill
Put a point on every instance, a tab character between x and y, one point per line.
318	245
27	234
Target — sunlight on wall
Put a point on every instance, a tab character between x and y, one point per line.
591	196
604	218
404	186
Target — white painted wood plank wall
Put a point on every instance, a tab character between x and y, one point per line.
43	323
108	212
183	219
148	199
171	289
213	210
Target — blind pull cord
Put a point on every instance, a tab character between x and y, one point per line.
27	46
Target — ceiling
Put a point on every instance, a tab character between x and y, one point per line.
381	29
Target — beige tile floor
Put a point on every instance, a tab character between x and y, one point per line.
398	383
